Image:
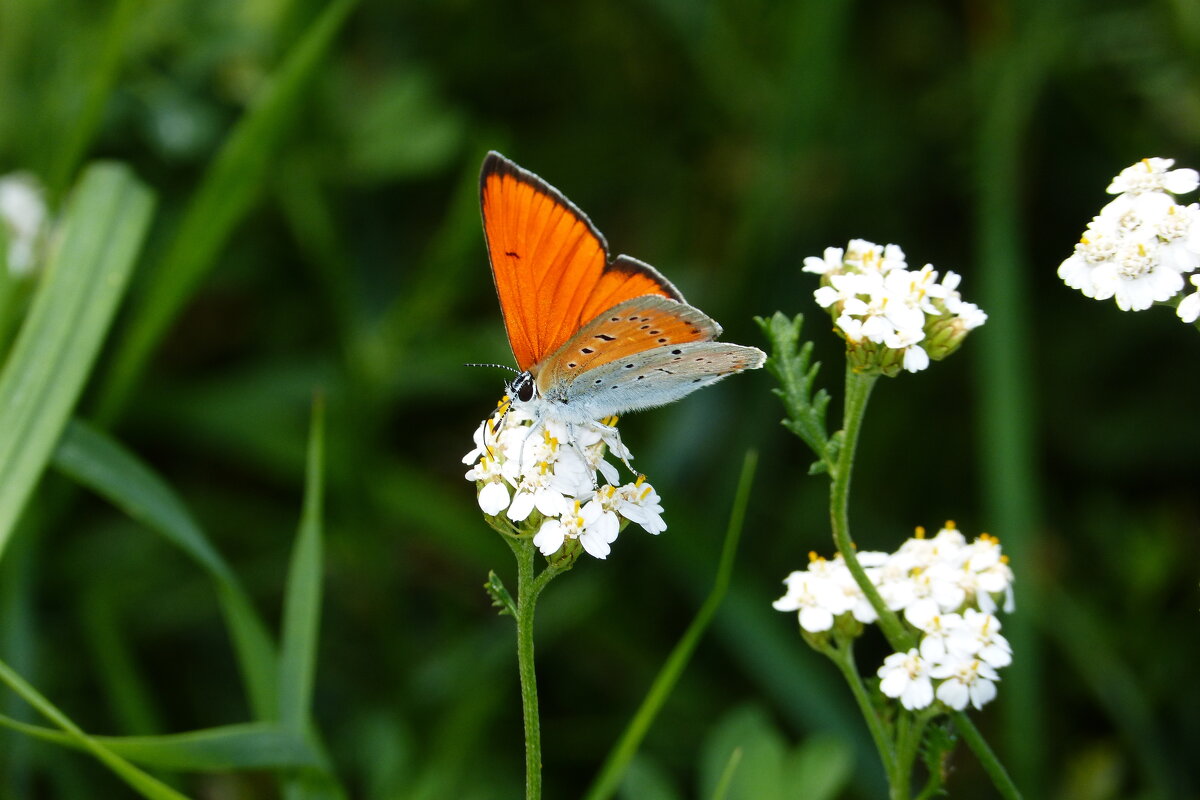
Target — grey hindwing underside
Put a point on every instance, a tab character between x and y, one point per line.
653	378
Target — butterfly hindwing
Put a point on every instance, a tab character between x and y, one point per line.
656	377
624	333
549	263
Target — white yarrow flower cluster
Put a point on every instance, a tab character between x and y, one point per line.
1139	247
23	217
891	317
946	589
520	468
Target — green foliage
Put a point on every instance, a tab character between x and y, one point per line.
232	747
791	364
936	747
745	756
94	460
226	194
501	599
103	228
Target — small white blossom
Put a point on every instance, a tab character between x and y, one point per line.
1154	175
817	599
981	634
943	634
1189	307
24	218
906	676
639	502
964	680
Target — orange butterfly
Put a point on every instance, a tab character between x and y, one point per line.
593	337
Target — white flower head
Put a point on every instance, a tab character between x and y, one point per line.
945	588
891	317
24	218
1137	249
521	466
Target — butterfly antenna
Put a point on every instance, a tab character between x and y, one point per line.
497	366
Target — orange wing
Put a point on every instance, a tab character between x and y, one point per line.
550	264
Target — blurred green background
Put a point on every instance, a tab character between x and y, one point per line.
337	246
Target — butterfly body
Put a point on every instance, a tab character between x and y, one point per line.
593	337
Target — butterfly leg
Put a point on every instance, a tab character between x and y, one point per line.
537	423
619	451
582	454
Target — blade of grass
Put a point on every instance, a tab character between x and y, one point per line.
1011	75
105	223
229	189
19	647
255	745
302	598
145	785
95	460
609	779
101	75
302	622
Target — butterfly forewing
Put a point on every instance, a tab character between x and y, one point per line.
625	333
549	262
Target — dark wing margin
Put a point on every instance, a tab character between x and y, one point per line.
550	265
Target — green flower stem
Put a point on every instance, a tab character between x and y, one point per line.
995	770
910	729
529	586
858	391
843	656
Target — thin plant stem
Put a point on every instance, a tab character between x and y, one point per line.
843	656
910	729
995	770
858	392
529	586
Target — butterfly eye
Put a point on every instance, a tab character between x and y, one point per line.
522	387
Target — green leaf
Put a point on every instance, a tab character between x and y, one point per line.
95	460
501	599
759	772
820	768
105	223
229	190
790	364
230	747
646	780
